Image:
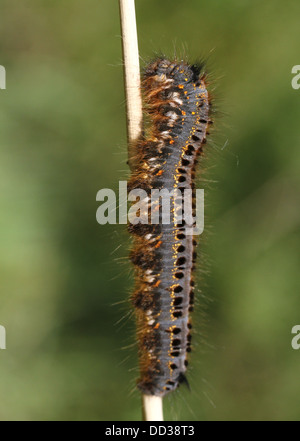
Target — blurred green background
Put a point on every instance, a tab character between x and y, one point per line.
65	280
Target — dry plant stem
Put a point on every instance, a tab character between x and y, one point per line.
131	74
152	405
152	408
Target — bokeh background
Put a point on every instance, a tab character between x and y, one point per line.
65	280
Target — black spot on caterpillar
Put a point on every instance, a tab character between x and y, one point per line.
178	106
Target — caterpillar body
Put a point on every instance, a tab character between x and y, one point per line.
178	106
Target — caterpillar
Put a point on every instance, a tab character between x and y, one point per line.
178	106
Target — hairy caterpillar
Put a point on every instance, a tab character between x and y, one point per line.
178	106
